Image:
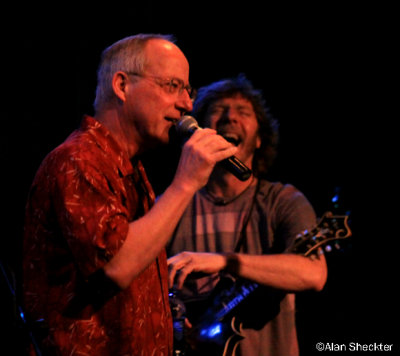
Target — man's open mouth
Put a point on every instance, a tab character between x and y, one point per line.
171	119
233	138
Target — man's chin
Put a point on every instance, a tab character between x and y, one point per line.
160	142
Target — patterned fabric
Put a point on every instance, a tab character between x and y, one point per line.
279	214
81	202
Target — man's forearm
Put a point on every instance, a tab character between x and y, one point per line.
147	236
283	271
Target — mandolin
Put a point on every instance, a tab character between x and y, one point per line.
217	330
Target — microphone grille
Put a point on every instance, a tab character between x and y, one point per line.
186	125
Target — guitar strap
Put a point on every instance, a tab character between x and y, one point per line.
242	241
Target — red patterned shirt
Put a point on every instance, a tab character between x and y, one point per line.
82	199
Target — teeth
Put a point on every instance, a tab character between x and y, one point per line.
174	121
231	137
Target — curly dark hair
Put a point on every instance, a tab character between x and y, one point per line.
268	125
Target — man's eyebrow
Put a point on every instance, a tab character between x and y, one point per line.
245	106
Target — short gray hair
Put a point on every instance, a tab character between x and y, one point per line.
125	55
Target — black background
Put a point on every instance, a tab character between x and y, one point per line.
320	69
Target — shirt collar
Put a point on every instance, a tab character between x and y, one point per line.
108	144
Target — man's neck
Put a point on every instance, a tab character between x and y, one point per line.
121	133
225	185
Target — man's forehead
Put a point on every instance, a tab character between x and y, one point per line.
165	58
159	44
237	100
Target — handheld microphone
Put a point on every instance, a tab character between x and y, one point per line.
188	125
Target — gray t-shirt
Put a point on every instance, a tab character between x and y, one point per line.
279	213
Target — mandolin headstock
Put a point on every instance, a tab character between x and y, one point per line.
329	229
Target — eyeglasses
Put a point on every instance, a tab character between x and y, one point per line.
170	85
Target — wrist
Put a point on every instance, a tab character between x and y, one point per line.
232	263
183	188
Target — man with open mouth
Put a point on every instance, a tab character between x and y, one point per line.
244	229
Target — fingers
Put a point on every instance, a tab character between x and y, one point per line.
175	265
212	146
199	155
182	275
179	267
177	276
188	324
185	263
226	153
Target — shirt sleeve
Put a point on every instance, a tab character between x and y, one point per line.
293	215
91	213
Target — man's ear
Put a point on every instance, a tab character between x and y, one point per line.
119	82
258	141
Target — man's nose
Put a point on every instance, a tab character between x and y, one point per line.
229	114
185	102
